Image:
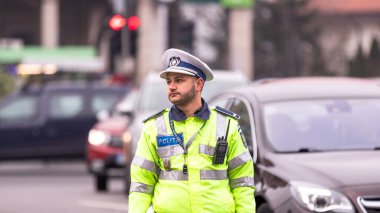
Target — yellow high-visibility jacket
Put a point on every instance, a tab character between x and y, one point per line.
157	169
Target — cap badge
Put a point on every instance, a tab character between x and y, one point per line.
174	61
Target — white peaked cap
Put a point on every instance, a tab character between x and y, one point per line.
179	61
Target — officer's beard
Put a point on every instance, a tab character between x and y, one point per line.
185	98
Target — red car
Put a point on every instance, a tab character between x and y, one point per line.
105	141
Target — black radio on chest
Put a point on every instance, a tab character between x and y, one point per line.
221	148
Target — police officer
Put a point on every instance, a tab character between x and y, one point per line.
191	157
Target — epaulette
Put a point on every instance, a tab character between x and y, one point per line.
154	115
227	112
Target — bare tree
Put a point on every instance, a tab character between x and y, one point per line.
286	39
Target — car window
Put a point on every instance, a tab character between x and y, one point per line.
19	110
66	105
103	101
240	108
127	103
323	125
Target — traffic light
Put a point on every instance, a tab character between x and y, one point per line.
115	48
133	23
125	33
117	22
133	35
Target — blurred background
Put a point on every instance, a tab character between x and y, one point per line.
118	42
124	39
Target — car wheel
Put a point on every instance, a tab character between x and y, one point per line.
101	183
264	208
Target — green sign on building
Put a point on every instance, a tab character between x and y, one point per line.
237	3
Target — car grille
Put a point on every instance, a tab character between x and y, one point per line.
370	205
116	141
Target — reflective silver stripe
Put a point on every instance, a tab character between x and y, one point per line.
205	175
172	175
168	151
213	174
141	187
145	164
220	125
205	149
239	160
243	181
161	125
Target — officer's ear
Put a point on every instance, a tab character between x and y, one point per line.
199	84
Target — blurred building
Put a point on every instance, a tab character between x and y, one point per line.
64	35
349	29
52	22
75	34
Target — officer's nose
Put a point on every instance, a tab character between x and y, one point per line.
171	86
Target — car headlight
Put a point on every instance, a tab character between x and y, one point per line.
127	137
97	137
320	199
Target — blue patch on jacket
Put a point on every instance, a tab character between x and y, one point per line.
168	140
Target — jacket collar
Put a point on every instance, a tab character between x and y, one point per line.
203	113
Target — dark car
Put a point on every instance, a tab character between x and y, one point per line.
52	121
318	143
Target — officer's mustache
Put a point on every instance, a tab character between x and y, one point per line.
174	93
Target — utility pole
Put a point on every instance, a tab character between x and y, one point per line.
50	23
240	31
148	54
240	43
163	23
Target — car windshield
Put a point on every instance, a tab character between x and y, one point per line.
323	125
153	97
126	104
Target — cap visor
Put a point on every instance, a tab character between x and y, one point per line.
175	70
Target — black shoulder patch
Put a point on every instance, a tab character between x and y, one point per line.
227	112
154	115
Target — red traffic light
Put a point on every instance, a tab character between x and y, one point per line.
134	23
117	22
